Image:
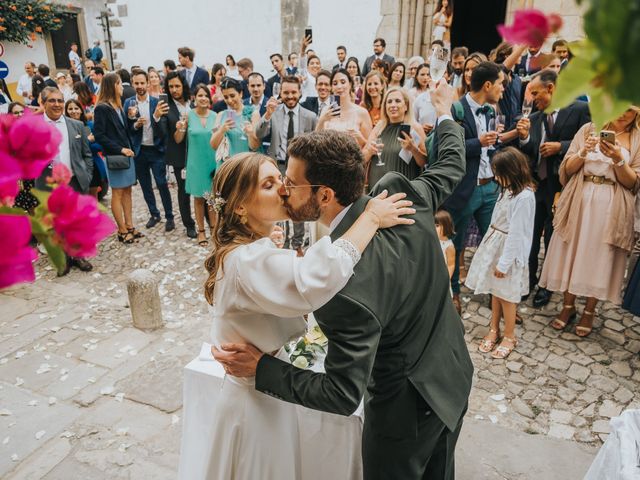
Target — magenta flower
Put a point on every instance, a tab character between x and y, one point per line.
60	175
30	140
530	27
16	256
77	222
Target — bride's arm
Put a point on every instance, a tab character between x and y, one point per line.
279	283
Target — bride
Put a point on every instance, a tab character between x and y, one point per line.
259	294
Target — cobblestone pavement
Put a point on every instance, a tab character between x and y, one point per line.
83	394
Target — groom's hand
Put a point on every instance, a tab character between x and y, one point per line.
238	359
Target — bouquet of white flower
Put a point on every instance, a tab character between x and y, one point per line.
305	351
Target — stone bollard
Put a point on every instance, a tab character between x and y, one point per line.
144	300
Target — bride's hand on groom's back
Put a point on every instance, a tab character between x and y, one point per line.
238	359
389	211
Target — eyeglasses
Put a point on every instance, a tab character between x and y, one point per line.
287	185
55	100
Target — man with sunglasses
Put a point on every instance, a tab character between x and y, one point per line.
74	152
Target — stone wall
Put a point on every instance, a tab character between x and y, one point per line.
406	24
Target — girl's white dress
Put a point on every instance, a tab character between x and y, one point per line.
260	299
505	246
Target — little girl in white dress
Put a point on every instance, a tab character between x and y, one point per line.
500	266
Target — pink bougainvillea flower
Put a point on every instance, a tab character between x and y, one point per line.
10	172
60	174
530	27
77	222
31	141
16	256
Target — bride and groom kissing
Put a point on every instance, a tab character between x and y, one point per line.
378	288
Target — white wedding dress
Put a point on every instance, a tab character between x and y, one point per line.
260	299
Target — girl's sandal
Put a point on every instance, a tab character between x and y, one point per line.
125	237
558	323
487	345
503	350
203	243
585	331
136	233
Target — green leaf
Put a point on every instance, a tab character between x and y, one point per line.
41	195
574	80
605	107
56	254
38	228
4	210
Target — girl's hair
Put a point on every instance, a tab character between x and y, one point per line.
233	60
83	93
108	92
344	72
12	105
512	166
384	118
449	10
228	82
215	69
392	69
354	60
83	117
366	98
235	183
416	85
381	64
443	218
204	88
474	57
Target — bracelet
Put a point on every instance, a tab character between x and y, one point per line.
621	163
182	130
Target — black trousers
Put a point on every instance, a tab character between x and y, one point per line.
430	455
184	200
543	222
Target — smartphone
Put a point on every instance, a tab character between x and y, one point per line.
336	100
309	33
163	97
405	128
608	136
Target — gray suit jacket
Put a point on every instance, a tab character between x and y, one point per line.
81	159
307	122
367	63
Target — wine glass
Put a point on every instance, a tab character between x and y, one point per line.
379	148
527	106
275	89
357	82
438	64
500	124
132	111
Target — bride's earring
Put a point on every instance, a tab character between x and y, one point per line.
243	219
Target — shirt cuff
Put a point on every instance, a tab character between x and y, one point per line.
526	140
446	116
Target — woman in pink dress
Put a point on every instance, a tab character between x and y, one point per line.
593	224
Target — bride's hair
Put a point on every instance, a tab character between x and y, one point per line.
235	183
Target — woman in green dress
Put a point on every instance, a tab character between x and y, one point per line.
234	125
197	126
389	149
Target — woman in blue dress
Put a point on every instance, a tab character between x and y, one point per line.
234	125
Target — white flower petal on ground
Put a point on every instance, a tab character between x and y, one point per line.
108	390
498	397
40	434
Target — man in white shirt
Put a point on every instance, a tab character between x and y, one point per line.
75	62
149	150
458	56
24	83
74	152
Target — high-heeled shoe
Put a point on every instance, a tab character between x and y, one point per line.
560	324
581	330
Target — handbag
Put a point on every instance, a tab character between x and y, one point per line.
118	162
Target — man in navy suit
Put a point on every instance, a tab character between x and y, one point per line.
545	137
278	65
258	99
477	193
149	150
194	75
323	89
529	63
292	68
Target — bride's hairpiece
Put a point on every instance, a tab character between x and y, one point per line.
216	201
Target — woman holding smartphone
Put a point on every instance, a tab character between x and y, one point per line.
396	142
593	222
345	116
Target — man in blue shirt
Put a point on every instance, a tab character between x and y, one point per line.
96	52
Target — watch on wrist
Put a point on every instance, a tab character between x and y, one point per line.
621	163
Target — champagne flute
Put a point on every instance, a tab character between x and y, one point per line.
438	64
527	106
379	148
357	82
132	111
500	125
275	89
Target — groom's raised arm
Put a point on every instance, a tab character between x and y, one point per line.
354	335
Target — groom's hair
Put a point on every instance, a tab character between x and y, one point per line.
332	159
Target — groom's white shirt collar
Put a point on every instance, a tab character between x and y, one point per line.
336	221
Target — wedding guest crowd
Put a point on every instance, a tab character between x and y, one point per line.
576	186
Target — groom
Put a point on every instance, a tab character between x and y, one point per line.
393	329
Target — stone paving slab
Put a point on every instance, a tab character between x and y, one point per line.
554	386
